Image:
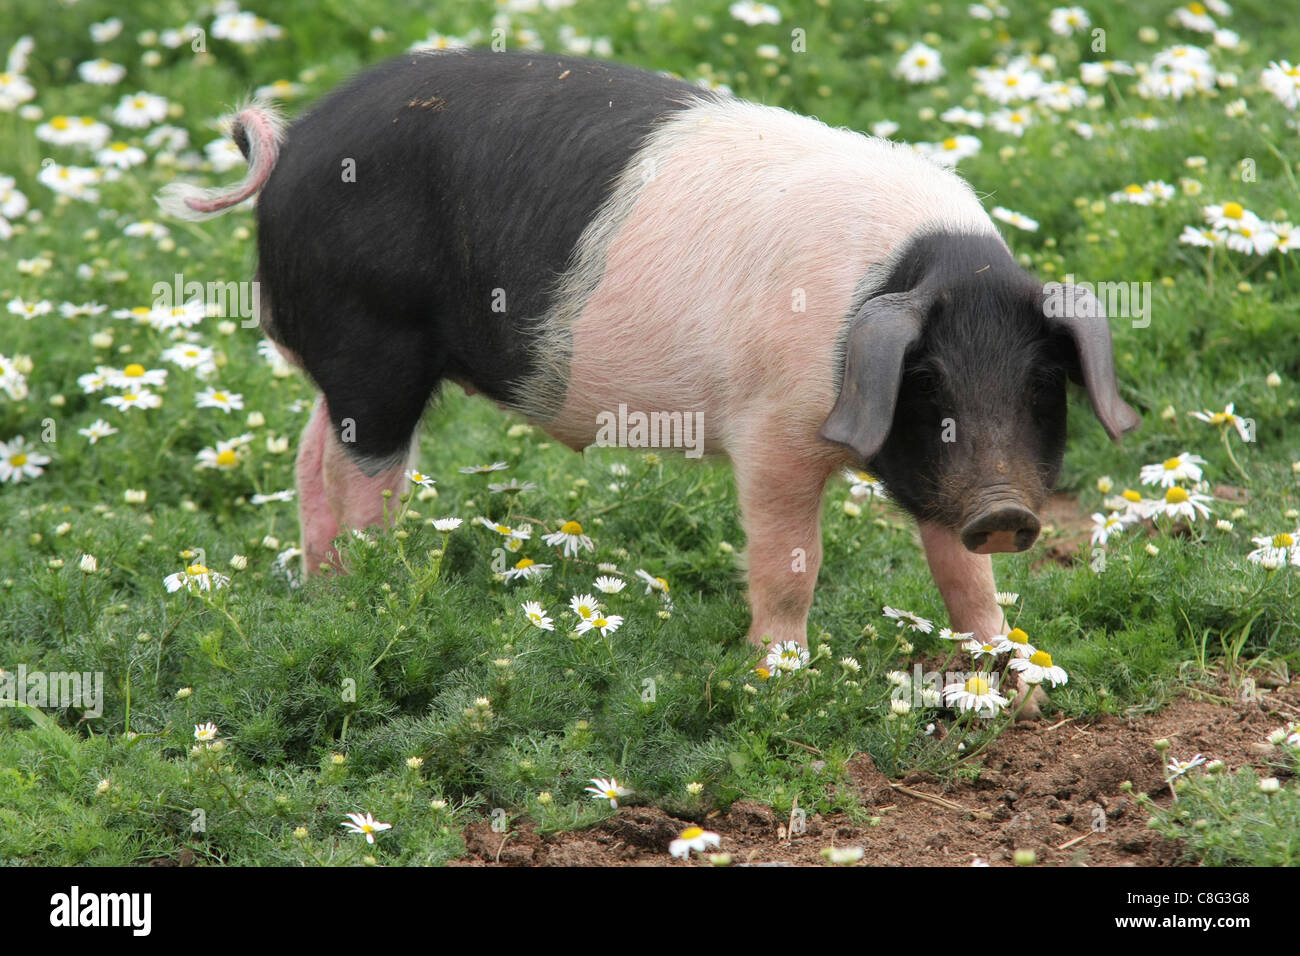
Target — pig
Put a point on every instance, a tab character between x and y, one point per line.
565	236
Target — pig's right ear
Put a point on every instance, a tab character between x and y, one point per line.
878	340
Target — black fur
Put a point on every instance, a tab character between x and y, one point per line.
475	171
987	361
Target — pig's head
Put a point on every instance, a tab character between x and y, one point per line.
954	387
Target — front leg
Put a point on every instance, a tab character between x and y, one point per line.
780	504
965	581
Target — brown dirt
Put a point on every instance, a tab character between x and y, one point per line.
1044	786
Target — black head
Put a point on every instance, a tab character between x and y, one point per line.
954	387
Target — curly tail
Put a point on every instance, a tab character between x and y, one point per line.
257	130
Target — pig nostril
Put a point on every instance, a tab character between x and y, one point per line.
1010	528
1026	537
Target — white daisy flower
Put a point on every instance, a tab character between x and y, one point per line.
975	693
526	569
195	578
96	430
1064	21
787	657
1015	642
216	398
1225	417
205	733
1171	471
135	375
225	455
585	606
18	461
483	469
446	525
570	535
365	824
1177	767
140	111
1019	220
693	838
419	478
752	13
909	620
1277	550
602	789
1103	526
1178	502
605	623
101	72
1038	667
920	64
141	398
537	617
609	585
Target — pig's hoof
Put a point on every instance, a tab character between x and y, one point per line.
1030	709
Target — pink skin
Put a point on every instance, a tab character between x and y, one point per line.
334	494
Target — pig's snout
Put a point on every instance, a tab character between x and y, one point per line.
1004	528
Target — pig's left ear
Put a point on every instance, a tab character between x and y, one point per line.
878	339
1078	313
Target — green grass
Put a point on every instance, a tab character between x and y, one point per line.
386	663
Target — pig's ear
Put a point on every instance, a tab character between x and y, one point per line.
878	339
1076	312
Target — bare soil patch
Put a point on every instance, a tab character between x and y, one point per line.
1053	787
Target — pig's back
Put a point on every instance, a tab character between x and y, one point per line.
471	172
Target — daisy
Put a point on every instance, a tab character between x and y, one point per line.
1006	598
140	111
106	31
446	525
976	694
29	310
526	569
864	485
1252	240
1231	216
96	430
280	90
752	13
121	156
979	650
515	537
215	398
205	733
198	358
225	455
1103	526
537	617
909	620
570	535
607	624
1283	81
511	487
609	585
1171	471
1177	767
287	495
1276	551
1019	220
920	64
1016	642
1201	236
1066	20
148	229
241	26
135	375
19	461
949	152
195	577
101	72
787	657
693	838
1193	17
484	469
948	634
143	398
419	478
610	790
365	824
652	583
1225	417
1038	667
15	90
585	606
1178	502
1011	122
1013	84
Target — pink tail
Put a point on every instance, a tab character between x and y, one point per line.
258	131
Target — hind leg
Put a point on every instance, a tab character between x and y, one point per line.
315	516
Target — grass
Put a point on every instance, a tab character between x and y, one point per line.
322	694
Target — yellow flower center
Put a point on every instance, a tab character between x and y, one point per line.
502	529
1041	658
134	370
1233	210
950	143
1172	463
978	686
227	458
1012	80
130	397
1196	8
762	672
1017	636
118	147
195	570
1175	495
691	833
662	583
219	396
570	527
600	622
1283	540
18	460
1133	189
59	122
1131	495
525	563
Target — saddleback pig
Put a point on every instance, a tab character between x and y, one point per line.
567	236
